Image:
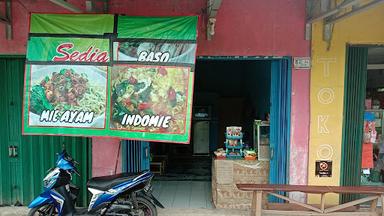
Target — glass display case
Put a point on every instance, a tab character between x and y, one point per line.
261	139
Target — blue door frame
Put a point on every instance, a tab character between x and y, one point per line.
280	121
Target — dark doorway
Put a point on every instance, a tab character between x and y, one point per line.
226	93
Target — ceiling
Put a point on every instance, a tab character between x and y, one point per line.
375	77
376	55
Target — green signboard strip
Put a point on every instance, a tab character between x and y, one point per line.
68	49
78	24
167	28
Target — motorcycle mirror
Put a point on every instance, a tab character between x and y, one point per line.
76	172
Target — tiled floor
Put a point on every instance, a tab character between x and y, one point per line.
183	194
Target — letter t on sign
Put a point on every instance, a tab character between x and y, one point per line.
326	62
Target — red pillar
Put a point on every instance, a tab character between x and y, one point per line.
298	169
106	152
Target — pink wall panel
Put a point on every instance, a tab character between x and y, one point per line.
299	130
105	154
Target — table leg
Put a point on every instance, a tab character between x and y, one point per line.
382	205
374	205
254	201
257	200
322	203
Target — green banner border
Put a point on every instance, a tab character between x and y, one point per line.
43	49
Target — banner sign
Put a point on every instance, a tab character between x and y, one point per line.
128	77
161	52
68	49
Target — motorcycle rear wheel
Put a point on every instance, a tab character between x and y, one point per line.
44	210
145	208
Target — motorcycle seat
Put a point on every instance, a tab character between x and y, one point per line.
105	183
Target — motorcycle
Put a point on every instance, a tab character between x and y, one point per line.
127	194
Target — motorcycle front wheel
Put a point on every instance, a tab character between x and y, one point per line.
44	210
145	208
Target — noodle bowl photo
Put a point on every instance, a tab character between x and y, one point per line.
70	91
149	98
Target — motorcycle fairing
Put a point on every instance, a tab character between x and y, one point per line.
99	197
48	197
43	198
64	164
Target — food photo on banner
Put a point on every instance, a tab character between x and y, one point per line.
149	98
74	87
67	96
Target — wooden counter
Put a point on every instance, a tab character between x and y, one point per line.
227	173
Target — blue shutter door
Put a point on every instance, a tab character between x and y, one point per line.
280	122
136	156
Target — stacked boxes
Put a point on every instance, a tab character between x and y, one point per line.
234	142
227	173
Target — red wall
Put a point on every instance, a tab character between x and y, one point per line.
20	21
243	27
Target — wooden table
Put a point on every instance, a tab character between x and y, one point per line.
374	194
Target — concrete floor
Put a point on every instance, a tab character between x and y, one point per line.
202	212
23	211
13	211
183	194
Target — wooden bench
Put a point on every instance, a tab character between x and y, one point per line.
374	194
